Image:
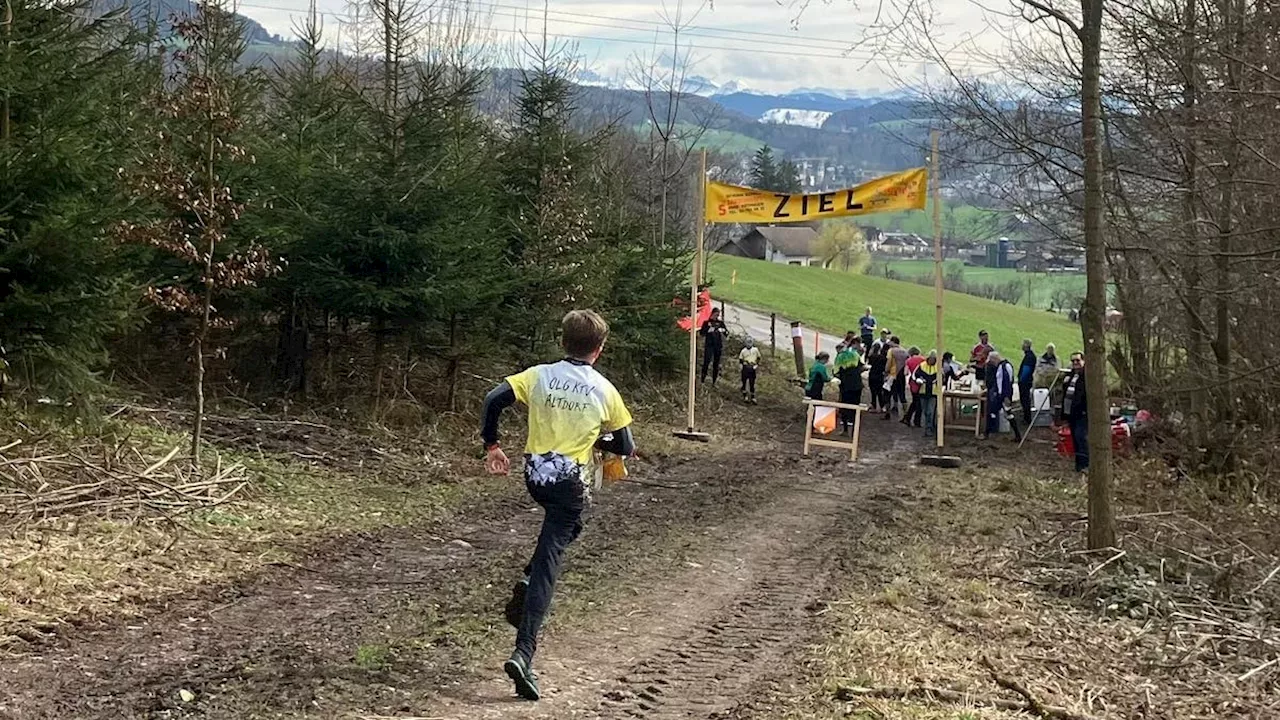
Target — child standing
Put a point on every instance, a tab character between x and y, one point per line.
570	405
819	376
749	358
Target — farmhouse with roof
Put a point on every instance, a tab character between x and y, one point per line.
784	245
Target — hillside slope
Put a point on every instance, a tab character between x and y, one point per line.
833	301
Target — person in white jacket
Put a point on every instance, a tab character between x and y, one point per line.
999	391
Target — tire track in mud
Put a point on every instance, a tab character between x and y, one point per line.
741	643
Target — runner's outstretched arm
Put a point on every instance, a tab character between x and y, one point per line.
498	399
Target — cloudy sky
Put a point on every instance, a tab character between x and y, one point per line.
767	45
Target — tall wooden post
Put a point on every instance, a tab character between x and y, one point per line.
8	45
797	346
700	214
936	177
773	334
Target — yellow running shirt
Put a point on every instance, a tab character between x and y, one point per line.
569	406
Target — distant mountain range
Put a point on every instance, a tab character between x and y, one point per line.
162	13
839	133
753	103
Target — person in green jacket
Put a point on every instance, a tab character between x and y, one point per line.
819	376
849	367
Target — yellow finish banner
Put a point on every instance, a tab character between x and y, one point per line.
905	190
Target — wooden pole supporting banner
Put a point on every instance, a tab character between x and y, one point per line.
937	281
695	275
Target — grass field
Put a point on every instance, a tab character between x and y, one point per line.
714	139
1043	285
833	301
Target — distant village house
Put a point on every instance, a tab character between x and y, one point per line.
784	245
902	244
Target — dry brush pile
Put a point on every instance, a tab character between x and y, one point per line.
40	481
1201	576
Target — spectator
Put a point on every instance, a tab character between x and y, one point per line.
1076	412
876	361
897	377
951	370
1050	356
867	328
848	366
926	375
1026	380
1047	367
912	417
819	376
978	357
999	390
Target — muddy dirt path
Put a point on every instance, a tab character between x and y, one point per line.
715	637
708	585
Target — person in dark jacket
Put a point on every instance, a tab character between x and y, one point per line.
1026	380
926	377
876	360
714	332
819	376
1076	412
849	366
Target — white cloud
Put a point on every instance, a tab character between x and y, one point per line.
761	44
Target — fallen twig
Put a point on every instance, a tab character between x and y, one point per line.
944	695
1265	580
1259	669
1032	703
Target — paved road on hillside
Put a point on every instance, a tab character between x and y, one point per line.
756	324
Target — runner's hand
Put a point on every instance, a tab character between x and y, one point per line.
496	462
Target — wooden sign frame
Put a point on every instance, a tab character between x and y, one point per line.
852	445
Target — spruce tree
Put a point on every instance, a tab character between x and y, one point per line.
69	85
303	166
788	178
764	169
554	204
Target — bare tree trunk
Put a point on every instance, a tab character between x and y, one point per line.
1226	217
1191	228
1101	511
379	353
455	364
8	50
206	309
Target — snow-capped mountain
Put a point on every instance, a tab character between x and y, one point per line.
793	116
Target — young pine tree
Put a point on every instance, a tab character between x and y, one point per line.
301	170
183	183
555	206
764	169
